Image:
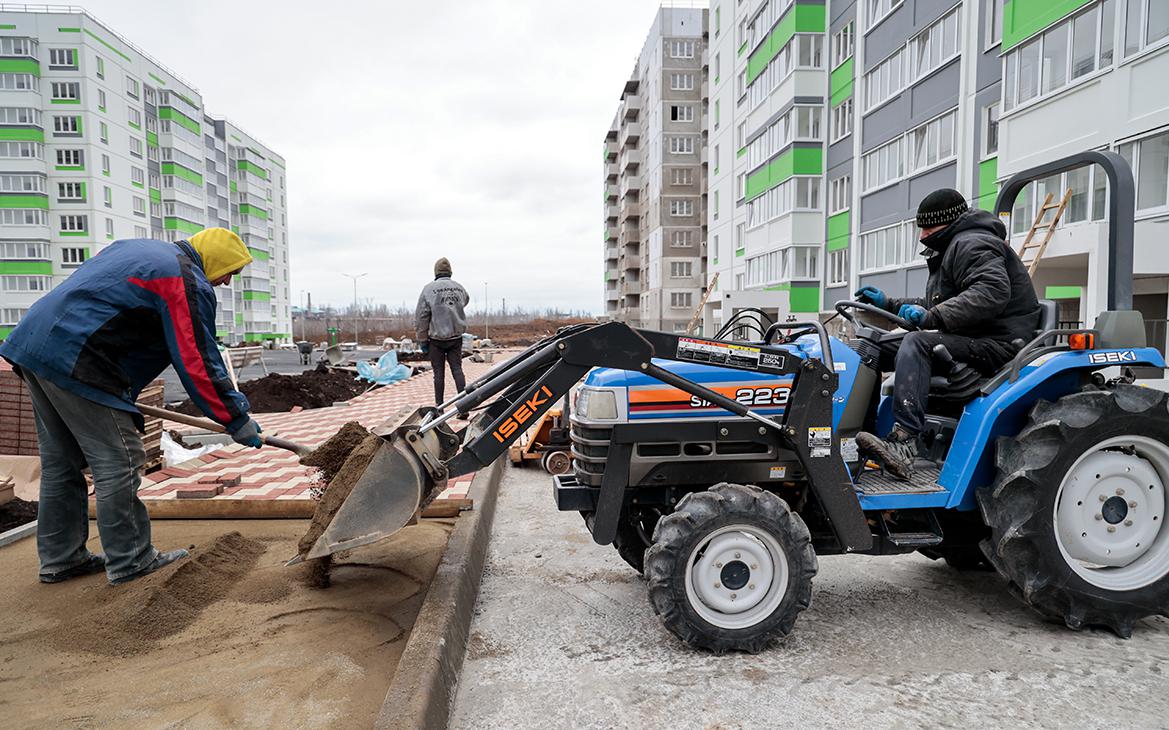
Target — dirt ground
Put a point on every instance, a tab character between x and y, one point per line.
277	393
226	638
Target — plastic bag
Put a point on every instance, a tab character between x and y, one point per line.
387	370
173	454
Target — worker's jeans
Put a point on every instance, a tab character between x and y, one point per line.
450	352
911	360
73	433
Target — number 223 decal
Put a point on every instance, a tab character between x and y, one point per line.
763	396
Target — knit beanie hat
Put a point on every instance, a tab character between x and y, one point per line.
940	208
442	267
222	251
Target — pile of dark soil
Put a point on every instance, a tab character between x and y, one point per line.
162	604
16	513
342	460
278	393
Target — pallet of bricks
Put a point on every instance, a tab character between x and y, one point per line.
18	428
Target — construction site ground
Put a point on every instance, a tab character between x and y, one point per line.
250	647
564	637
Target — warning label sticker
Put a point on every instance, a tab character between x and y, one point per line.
777	472
820	441
728	354
848	450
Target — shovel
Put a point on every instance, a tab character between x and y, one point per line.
218	428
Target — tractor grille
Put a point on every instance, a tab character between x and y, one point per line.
590	449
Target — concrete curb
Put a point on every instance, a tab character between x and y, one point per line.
18	533
422	690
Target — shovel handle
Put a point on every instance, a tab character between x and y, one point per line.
210	425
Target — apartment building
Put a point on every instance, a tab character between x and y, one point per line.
99	142
655	179
1090	74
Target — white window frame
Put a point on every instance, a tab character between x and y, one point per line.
133	87
682	238
681	269
70	158
681	300
931	40
842	44
877	10
1144	46
65	90
685	112
682	49
70	58
69	192
988	112
905	248
680	145
837	272
681	207
994	23
841	121
839	194
1009	97
73	256
879	86
933	129
74	222
681	81
681	176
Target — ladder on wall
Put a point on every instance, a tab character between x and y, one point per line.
1048	228
701	305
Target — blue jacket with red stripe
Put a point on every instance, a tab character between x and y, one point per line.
118	320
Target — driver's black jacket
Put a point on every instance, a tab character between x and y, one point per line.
978	287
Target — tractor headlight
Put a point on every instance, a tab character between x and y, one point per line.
596	404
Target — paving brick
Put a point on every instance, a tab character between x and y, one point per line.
202	491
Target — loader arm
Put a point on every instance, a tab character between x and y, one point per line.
538	378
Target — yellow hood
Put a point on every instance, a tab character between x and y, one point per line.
222	251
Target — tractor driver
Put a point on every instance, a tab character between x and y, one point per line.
979	303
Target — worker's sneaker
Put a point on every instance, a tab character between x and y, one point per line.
895	453
96	563
163	559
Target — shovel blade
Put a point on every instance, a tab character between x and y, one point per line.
384	499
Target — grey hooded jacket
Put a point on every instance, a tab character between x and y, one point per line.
440	314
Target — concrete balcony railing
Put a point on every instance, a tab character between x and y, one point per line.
610	191
631	106
631	287
630	183
631	262
630	208
611	275
611	253
630	134
611	149
629	158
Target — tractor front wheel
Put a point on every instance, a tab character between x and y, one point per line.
1078	510
730	569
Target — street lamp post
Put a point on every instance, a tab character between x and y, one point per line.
486	314
355	277
303	315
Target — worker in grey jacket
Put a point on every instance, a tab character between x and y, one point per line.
440	323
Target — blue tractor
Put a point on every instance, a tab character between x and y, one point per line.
721	468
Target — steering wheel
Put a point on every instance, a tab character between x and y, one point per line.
843	307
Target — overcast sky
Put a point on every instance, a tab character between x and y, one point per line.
414	130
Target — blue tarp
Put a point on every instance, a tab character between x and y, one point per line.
387	370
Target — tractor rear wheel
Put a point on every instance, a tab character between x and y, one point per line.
730	569
1078	510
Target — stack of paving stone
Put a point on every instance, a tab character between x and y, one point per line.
18	428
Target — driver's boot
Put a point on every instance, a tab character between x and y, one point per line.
895	453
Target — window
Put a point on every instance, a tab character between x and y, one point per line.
24	250
935	46
17	183
932	143
838	267
682	145
20	115
1065	52
682	239
681	82
715	204
140	232
11	316
681	49
740	185
73	257
108	196
1149	158
680	269
718	66
22	150
70	158
681	113
105	164
841	120
680	208
101	99
139	206
135	147
134	117
681	176
1147	23
797	193
66	126
74	223
802	51
70	192
884	165
895	246
681	299
25	283
101	67
990	130
878	10
885	80
23	217
65	91
19	82
110	227
797	262
63	58
994	22
800	122
132	87
17	46
104	131
842	45
839	194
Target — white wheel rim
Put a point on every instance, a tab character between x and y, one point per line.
737	576
1110	514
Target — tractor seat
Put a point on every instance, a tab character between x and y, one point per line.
957	383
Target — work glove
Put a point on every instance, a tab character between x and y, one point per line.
248	434
871	295
425	347
915	314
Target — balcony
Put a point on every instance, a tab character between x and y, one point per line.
611	275
631	106
630	184
610	192
611	253
612	295
629	158
632	262
630	134
610	149
703	155
630	208
631	287
611	213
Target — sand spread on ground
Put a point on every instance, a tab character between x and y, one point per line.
226	638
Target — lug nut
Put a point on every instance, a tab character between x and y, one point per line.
1112	528
1119	492
718	565
733	596
754	567
751	587
1103	498
1099	517
718	585
736	556
1132	504
723	432
762	430
1128	523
